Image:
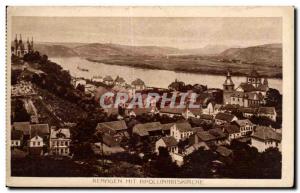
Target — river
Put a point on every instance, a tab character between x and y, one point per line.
152	78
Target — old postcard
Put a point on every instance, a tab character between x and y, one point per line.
150	97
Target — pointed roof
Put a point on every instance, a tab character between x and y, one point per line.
138	82
266	133
228	81
39	129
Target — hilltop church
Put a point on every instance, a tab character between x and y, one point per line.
250	93
18	47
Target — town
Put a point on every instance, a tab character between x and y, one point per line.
58	127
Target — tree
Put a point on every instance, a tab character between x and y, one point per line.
15	75
273	98
198	164
20	113
164	166
270	163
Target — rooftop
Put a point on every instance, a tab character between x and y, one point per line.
224	151
170	141
143	129
60	133
266	110
266	133
244	122
41	130
225	117
230	128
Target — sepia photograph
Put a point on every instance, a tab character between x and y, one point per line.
150	96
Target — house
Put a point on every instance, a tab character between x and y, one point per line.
246	99
171	112
169	142
24	127
97	79
110	136
229	108
246	126
202	137
248	111
115	129
195	147
181	131
269	112
120	81
166	128
208	119
222	118
233	131
148	129
192	112
107	145
39	135
59	143
220	136
108	80
138	84
265	137
16	138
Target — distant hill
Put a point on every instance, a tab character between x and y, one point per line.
207	50
270	54
55	50
103	50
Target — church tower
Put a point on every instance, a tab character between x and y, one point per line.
228	89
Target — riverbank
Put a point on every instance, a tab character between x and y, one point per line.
200	66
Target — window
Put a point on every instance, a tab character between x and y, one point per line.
66	143
33	143
38	143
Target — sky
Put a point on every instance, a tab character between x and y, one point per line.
183	33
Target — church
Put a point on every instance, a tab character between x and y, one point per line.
19	48
250	93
